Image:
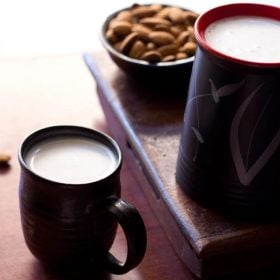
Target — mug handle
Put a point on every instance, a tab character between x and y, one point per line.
134	229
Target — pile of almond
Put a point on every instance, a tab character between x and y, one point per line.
154	33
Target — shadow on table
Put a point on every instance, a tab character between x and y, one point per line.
70	273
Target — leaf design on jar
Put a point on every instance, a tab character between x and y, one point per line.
198	135
216	93
246	175
220	92
223	90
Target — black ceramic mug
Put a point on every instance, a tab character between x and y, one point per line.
229	155
70	203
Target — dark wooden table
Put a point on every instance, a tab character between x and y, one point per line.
43	91
147	122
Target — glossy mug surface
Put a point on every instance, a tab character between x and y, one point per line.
229	152
70	201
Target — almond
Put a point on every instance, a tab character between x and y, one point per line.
177	29
151	46
169	58
162	27
168	49
163	13
190	17
153	21
137	49
176	15
183	38
128	42
143	11
4	159
112	21
191	30
124	16
189	48
121	28
152	56
142	31
153	32
110	36
181	55
117	46
156	7
161	37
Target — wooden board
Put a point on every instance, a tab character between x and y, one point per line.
147	123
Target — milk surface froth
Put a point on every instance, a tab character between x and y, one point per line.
250	38
71	160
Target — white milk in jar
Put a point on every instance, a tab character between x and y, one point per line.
250	38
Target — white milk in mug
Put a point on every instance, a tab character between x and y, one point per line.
71	160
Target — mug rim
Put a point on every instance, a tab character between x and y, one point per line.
231	10
67	130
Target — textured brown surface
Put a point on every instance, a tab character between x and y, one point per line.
53	90
152	120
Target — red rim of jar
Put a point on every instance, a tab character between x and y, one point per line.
239	9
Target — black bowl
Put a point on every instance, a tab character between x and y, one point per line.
172	74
